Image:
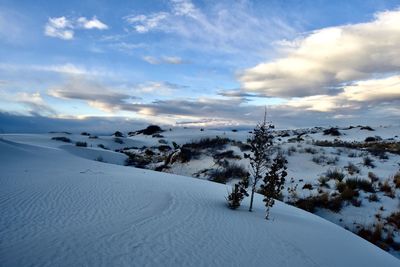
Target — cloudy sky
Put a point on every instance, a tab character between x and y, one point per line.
198	63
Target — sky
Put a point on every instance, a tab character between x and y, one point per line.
206	63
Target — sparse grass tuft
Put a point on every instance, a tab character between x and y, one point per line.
320	201
335	174
396	179
368	162
310	150
81	144
352	169
373	198
228	172
332	131
356	183
62	139
372	176
394	219
308	186
205	143
102	146
118	140
323	181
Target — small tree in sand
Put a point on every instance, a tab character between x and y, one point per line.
274	181
260	142
236	196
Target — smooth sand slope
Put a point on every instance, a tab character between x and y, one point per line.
57	209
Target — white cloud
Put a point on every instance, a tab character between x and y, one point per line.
145	23
228	27
163	60
95	93
329	58
67	68
159	87
59	27
359	95
33	103
151	60
172	60
64	28
184	8
93	23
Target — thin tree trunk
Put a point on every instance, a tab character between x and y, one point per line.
253	187
251	198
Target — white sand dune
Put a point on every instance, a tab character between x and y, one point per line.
57	209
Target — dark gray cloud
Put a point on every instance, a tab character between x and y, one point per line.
356	104
95	93
237	93
14	123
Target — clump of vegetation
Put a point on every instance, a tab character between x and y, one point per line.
227	172
310	150
242	146
352	169
361	184
332	160
150	130
373	198
164	148
62	139
284	134
368	162
136	160
394	219
204	143
374	235
236	196
347	193
332	131
323	181
392	146
175	145
319	159
387	189
319	201
102	146
81	144
118	140
372	176
368	128
396	180
335	174
183	154
229	154
291	150
308	186
163	141
352	154
149	153
373	139
118	134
